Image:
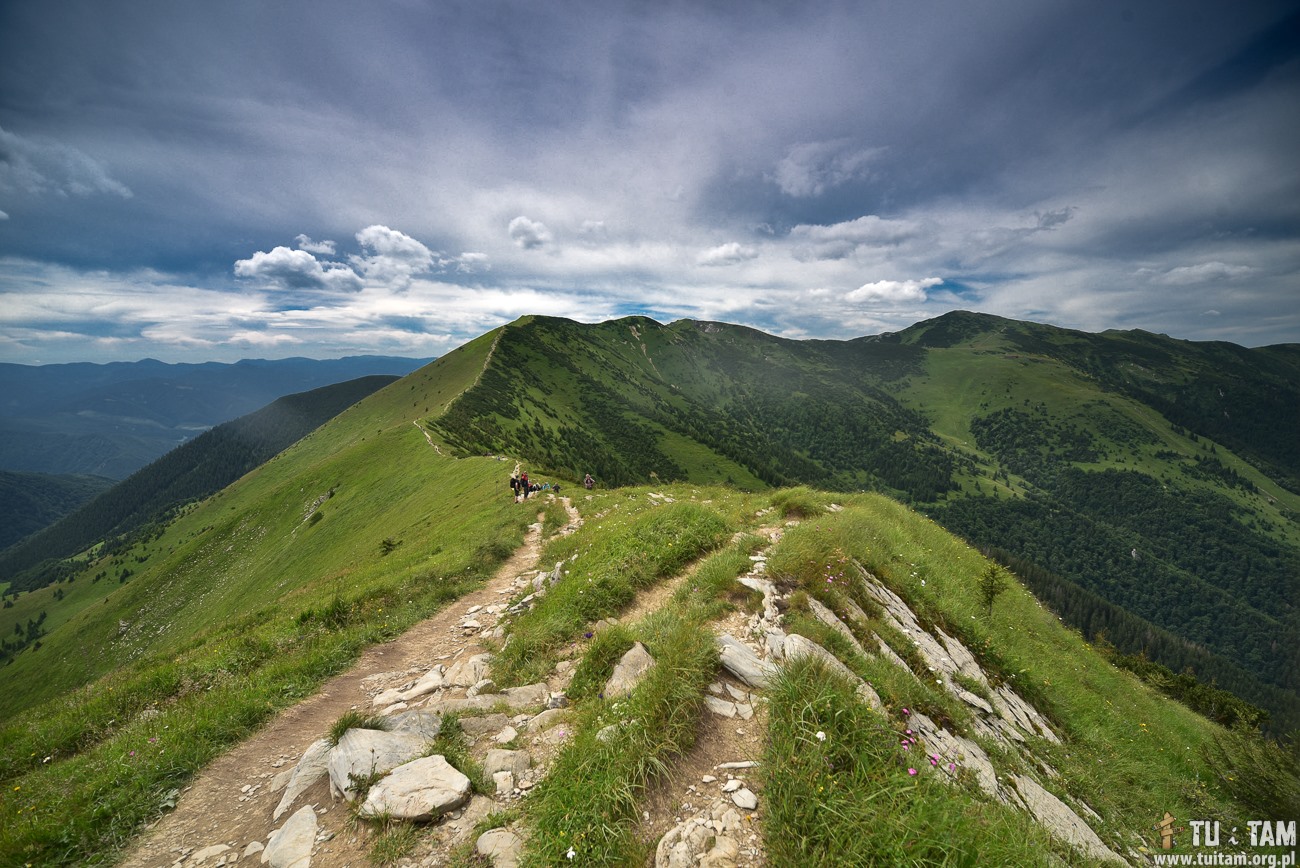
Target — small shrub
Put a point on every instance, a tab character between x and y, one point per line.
992	581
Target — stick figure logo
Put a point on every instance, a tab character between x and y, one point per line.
1166	829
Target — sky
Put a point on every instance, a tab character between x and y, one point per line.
195	181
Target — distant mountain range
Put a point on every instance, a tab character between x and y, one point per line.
198	468
112	419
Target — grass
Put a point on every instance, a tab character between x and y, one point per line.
589	801
353	719
1126	748
85	771
626	556
833	769
392	841
452	746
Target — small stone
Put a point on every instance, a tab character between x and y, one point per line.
506	735
744	799
501	846
732	785
708	779
208	852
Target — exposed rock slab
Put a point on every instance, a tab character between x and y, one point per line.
797	647
502	846
514	761
311	766
631	668
423	789
364	752
290	845
830	619
738	659
1063	822
467	671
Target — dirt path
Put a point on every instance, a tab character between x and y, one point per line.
232	801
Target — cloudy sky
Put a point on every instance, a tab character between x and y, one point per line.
212	181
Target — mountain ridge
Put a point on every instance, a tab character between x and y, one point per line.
244	604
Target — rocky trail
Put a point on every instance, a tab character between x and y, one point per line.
285	796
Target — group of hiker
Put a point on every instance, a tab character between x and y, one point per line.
521	486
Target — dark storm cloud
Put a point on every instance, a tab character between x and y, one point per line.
818	169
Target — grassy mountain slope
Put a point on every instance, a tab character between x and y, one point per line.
190	472
244	603
1042	443
269	541
31	501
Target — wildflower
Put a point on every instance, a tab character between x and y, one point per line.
952	767
572	853
821	736
912	772
905	711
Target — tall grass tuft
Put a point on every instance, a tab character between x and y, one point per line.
838	790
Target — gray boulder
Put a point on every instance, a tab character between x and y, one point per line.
502	846
738	659
631	668
467	671
500	760
290	845
307	772
423	789
365	752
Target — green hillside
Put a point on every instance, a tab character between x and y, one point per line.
191	471
31	501
1044	445
244	603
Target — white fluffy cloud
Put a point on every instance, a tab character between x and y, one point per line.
324	248
727	254
892	291
391	257
529	234
298	269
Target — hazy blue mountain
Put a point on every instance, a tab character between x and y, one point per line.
112	419
31	501
192	471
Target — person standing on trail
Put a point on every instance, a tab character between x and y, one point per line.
523	484
588	483
514	485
